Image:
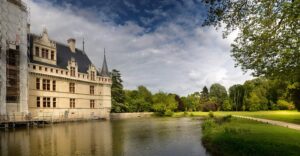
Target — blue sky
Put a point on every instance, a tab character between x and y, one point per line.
159	44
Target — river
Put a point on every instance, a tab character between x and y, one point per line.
129	137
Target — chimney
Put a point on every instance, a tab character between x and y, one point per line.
72	43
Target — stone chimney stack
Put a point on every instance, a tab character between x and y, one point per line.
72	43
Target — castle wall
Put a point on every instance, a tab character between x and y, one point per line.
13	33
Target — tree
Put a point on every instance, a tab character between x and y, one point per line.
164	103
268	40
218	92
117	92
180	104
138	100
236	96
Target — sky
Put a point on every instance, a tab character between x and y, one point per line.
159	44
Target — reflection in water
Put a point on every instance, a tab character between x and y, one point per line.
132	137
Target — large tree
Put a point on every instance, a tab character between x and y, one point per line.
219	93
117	92
268	41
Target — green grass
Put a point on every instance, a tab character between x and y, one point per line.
286	116
247	137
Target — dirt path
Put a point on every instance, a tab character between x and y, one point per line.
272	122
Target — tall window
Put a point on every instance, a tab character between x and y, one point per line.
37	83
47	54
54	85
73	71
72	87
48	102
43	53
92	103
52	55
92	90
38	102
93	75
46	84
37	51
44	101
54	102
72	103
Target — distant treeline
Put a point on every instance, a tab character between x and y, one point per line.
253	95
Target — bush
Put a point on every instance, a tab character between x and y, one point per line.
210	106
168	113
284	105
191	115
208	124
211	114
185	113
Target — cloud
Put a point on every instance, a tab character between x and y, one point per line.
171	58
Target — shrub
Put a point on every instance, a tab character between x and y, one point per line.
185	113
168	113
284	105
210	106
208	124
211	114
191	115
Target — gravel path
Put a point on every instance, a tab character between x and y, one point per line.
272	122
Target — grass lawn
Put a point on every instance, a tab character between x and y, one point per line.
286	116
247	137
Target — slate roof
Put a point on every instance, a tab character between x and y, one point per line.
63	55
104	72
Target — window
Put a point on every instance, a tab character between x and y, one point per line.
33	67
72	103
54	102
93	75
66	73
44	101
38	102
51	70
43	53
54	85
46	69
56	71
61	72
37	83
37	51
92	90
47	54
46	84
48	102
72	87
73	71
40	68
92	103
52	55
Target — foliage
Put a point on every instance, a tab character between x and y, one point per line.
180	104
211	114
138	100
226	105
246	137
236	96
163	103
219	93
117	92
268	40
284	105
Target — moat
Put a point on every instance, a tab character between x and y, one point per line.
130	137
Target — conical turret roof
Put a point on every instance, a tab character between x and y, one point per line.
104	71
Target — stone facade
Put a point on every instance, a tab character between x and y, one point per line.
53	81
13	42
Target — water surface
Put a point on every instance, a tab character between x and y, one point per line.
130	137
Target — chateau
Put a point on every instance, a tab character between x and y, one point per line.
44	79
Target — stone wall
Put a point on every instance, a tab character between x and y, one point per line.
130	115
13	32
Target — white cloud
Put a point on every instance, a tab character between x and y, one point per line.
171	59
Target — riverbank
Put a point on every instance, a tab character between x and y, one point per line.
285	116
115	116
236	136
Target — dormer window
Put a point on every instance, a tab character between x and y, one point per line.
52	55
92	75
73	71
37	51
